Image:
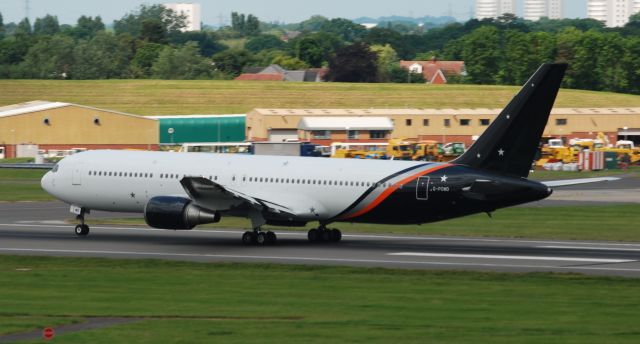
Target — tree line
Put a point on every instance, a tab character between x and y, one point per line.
149	43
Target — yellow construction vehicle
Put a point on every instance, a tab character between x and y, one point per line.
624	147
428	151
400	149
555	151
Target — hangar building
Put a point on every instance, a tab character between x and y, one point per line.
201	128
444	125
65	126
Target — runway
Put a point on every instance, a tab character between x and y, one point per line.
39	229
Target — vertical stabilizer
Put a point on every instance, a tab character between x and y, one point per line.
510	143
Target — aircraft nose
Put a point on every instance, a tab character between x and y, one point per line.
47	182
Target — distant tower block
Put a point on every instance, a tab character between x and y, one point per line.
613	13
536	9
494	8
191	11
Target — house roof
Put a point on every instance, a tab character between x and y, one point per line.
447	67
260	77
345	123
43	105
33	106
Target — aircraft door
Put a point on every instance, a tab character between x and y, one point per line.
422	188
76	174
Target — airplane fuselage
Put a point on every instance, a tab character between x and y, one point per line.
318	189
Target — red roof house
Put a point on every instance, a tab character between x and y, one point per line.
434	71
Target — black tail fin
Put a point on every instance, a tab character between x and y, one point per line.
511	141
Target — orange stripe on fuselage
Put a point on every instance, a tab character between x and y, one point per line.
392	189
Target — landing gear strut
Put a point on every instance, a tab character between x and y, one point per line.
324	234
258	237
82	229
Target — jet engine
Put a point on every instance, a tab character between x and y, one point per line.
166	212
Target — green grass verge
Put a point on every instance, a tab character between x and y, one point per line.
22	185
610	222
162	97
243	303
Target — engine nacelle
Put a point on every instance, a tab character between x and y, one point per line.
166	212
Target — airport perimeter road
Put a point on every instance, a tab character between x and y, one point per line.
390	251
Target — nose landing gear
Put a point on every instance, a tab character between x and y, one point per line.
81	229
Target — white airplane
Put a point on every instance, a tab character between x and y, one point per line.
182	190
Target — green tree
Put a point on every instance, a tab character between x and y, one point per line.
610	67
182	63
145	57
105	56
313	24
315	49
50	58
481	53
289	62
264	42
132	23
631	61
153	31
207	41
238	22
353	63
344	28
232	61
252	26
387	61
87	27
48	25
1	27
23	28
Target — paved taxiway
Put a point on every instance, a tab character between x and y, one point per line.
40	229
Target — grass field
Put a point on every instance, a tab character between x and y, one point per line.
610	222
163	97
242	303
22	185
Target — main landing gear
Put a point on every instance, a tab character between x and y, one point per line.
258	237
82	229
324	234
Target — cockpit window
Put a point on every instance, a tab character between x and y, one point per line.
55	168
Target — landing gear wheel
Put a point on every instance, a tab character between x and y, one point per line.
82	230
336	235
260	238
248	238
314	235
326	235
270	238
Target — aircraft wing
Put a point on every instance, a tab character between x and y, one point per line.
212	195
567	182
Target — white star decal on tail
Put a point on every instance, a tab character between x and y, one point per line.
444	178
501	152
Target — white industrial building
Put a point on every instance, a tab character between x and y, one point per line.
494	8
191	11
536	9
613	13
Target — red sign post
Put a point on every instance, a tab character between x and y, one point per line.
48	333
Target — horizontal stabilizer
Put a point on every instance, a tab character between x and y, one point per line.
567	182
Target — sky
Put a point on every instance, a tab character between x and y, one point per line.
288	11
